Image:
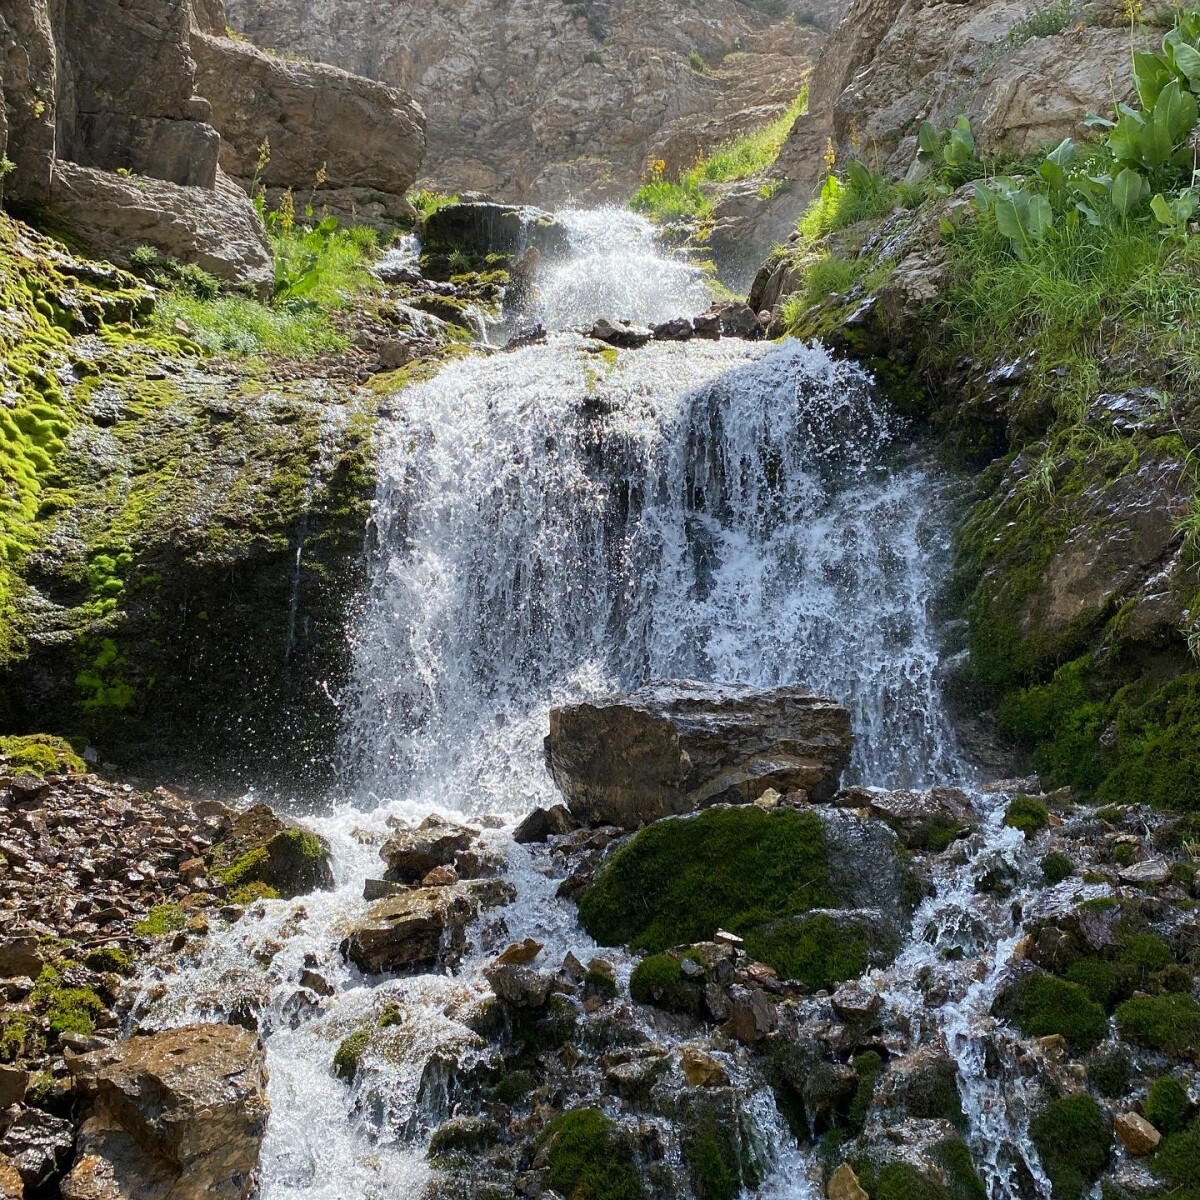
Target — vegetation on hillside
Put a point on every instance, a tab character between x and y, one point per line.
688	196
1082	265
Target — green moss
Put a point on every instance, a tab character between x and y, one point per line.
1042	1005
109	958
66	1009
588	1159
1073	1137
869	1068
161	920
20	1038
1110	1073
1056	867
1178	1162
1168	1023
348	1057
600	983
514	1086
711	1151
658	980
247	868
1167	1106
41	754
1027	814
680	880
963	1182
248	893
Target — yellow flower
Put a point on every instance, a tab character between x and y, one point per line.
830	155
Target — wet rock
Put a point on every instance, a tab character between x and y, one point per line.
621	334
379	889
708	326
179	1113
522	987
1151	873
544	823
843	1185
922	1085
520	953
677	330
737	319
27	789
1136	1134
921	820
38	1145
463	1135
440	877
701	1069
855	1003
418	927
263	847
752	1015
410	854
675	747
482	229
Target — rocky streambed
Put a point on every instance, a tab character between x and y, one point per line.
950	992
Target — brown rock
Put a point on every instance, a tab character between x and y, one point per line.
410	854
700	1069
752	1015
440	877
180	1113
1137	1135
13	1082
843	1185
520	953
11	1185
544	823
676	747
522	987
20	956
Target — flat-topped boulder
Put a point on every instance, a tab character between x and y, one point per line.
677	746
483	228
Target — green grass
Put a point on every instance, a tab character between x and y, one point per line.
588	1159
241	326
666	200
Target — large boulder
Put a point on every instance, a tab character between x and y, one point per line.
178	1115
419	927
261	847
112	215
360	134
480	229
410	854
675	747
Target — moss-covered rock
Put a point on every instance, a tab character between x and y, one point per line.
1168	1023
1073	1136
1167	1105
40	754
1040	1004
264	850
587	1158
758	873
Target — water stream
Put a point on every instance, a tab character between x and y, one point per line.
557	522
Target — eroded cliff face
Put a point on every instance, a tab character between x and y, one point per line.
548	101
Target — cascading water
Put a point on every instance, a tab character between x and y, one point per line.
554	523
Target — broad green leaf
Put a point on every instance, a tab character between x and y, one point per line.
1127	191
1187	61
928	141
1162	210
1151	74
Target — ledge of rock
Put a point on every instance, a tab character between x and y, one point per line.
365	134
178	1114
675	747
481	229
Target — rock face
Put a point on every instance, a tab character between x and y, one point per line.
676	747
367	139
96	87
176	1115
892	64
548	101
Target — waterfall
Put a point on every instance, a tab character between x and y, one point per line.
554	523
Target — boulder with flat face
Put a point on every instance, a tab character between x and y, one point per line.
178	1114
676	747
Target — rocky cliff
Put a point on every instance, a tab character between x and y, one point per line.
111	136
547	101
1023	77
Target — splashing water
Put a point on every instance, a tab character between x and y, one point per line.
615	269
555	523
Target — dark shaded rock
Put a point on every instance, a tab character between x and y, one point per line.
677	330
621	334
39	1146
922	820
544	823
262	847
520	986
482	229
675	747
737	319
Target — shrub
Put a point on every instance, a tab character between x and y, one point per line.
1073	1137
1168	1023
1167	1105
